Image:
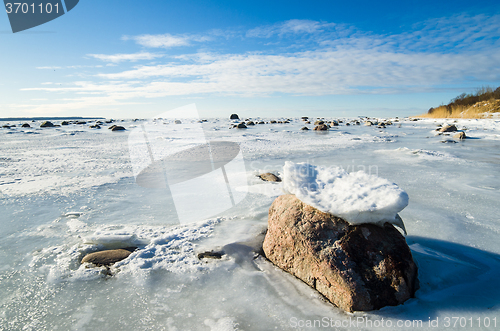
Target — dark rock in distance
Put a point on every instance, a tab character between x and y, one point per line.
447	128
95	126
269	177
250	123
241	126
356	267
210	255
305	128
322	127
108	257
234	117
64	123
118	128
26	125
47	124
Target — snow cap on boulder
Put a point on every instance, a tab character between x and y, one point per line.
355	197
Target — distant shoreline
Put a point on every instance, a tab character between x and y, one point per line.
49	118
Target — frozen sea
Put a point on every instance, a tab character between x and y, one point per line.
69	190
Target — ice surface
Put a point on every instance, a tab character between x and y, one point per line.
356	197
70	190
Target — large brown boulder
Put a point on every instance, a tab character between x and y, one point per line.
356	267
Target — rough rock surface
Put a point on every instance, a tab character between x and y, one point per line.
448	128
269	177
321	127
108	257
363	267
47	124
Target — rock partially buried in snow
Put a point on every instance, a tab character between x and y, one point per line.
269	177
47	124
117	128
355	197
460	135
321	127
356	267
447	128
108	257
210	255
234	117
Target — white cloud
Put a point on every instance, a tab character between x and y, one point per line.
313	73
115	58
161	40
49	68
168	40
345	61
290	26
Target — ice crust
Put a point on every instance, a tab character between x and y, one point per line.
356	197
70	190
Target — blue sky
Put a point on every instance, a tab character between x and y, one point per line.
127	59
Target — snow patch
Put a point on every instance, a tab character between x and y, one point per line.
356	197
